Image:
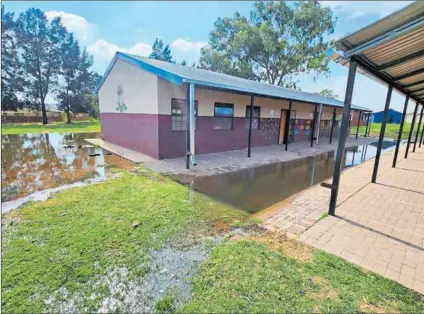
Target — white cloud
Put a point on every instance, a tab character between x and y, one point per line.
185	45
105	50
356	9
73	23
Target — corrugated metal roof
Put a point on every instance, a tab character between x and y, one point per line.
179	74
391	49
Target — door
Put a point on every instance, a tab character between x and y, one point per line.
283	120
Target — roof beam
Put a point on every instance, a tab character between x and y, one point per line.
417	90
418	22
404	76
402	60
414	84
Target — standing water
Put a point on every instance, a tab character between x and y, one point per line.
36	162
256	188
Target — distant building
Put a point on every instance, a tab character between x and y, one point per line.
394	116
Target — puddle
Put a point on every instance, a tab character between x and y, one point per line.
256	188
38	162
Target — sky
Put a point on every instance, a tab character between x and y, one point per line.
107	26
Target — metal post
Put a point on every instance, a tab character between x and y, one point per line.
418	129
357	127
286	131
382	131
411	130
250	126
368	122
333	122
187	113
342	137
313	126
192	127
421	138
402	122
319	122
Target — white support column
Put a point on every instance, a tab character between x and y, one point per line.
319	123
192	127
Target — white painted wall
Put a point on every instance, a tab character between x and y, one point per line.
140	89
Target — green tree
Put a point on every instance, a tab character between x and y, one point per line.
11	70
41	44
275	44
159	52
328	92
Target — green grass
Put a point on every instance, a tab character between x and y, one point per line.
69	239
247	276
392	130
74	127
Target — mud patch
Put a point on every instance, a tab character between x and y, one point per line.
169	273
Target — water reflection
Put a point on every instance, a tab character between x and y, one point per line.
34	162
257	188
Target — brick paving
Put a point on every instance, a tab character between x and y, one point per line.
377	226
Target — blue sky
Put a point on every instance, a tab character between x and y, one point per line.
106	26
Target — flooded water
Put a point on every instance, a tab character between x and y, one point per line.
36	162
256	188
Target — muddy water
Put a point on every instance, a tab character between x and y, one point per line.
36	162
256	188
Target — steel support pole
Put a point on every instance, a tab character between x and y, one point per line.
249	141
418	128
192	127
187	113
368	122
421	138
333	122
411	131
382	131
313	126
287	127
357	127
342	138
319	122
399	138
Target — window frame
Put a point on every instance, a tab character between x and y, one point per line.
247	118
223	105
183	103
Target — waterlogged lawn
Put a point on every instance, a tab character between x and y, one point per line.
74	127
249	276
63	243
392	130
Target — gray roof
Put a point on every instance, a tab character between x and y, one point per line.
180	74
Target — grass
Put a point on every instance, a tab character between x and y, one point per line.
78	234
74	127
71	238
247	276
392	130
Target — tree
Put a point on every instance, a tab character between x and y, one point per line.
11	70
275	44
161	53
41	44
328	92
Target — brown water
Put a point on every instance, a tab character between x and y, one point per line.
256	188
36	162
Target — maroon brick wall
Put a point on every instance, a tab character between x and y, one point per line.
355	118
138	132
172	143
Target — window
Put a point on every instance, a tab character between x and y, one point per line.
255	117
178	114
364	116
223	116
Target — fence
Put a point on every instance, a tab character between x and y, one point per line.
34	118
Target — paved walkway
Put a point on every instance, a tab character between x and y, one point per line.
377	226
211	164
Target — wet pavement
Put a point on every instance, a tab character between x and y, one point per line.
256	188
38	162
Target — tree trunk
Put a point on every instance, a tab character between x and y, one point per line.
43	110
68	114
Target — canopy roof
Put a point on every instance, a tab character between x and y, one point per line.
392	49
180	74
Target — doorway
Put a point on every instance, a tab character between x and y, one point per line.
283	122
